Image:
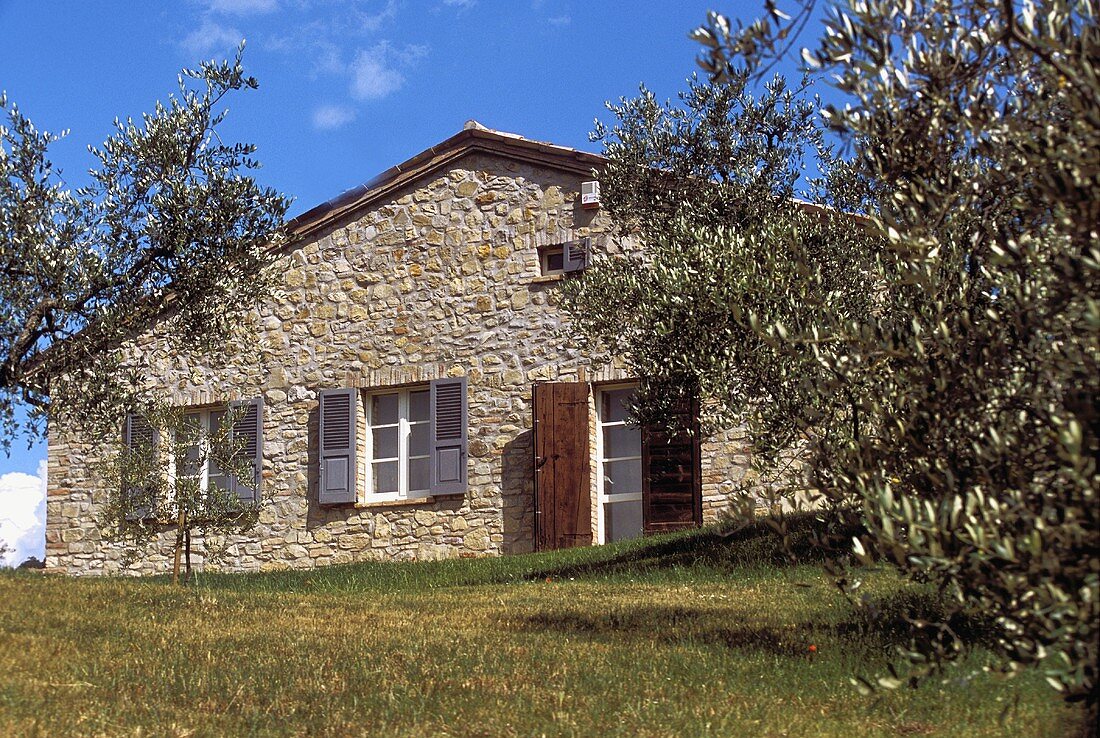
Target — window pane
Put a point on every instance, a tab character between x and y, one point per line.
215	475
216	417
385	477
418	475
622	520
190	466
418	439
622	477
418	405
218	480
613	407
622	440
383	409
214	427
555	260
385	443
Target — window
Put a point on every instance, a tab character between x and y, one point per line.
551	260
619	449
415	444
398	427
564	258
198	462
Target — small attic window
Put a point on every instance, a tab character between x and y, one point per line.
552	260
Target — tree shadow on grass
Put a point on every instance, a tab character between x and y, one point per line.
722	548
879	625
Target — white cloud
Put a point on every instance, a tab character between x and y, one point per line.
412	53
338	24
369	22
374	71
372	77
559	20
210	37
329	117
310	41
23	515
328	58
242	7
463	4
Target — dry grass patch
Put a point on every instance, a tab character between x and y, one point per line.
704	646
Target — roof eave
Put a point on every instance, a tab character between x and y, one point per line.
432	159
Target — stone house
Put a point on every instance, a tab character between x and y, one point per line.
413	396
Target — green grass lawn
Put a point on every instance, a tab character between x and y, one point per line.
683	635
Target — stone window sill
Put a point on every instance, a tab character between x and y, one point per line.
371	505
546	279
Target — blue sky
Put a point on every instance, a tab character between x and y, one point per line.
347	87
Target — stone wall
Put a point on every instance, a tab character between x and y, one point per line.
441	280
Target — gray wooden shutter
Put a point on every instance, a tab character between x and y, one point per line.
575	255
339	414
248	425
139	435
447	444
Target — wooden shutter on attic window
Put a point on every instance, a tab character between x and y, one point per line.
249	426
575	255
339	417
448	436
139	436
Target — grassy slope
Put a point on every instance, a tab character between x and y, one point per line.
689	635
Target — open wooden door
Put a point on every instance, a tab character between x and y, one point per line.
563	511
671	480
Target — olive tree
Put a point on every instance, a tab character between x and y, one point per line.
172	230
740	250
979	470
953	415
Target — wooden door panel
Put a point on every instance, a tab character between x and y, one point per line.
562	498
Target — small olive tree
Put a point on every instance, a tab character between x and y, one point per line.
156	484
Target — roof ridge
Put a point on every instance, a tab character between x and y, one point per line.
473	135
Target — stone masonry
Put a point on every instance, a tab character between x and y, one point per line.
439	277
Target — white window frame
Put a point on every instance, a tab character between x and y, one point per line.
602	498
544	260
404	431
204	414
